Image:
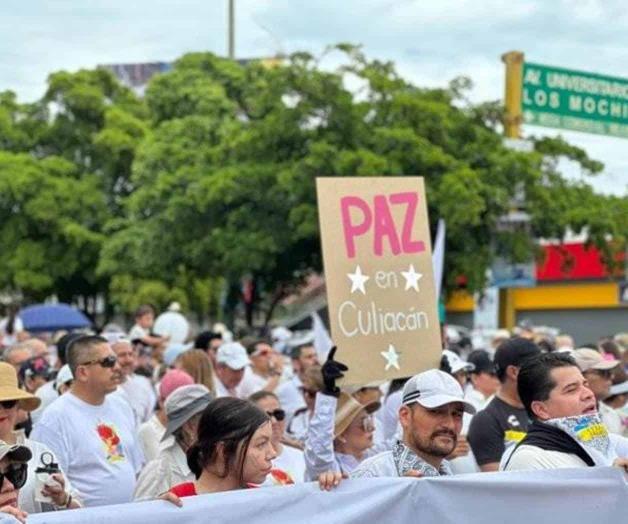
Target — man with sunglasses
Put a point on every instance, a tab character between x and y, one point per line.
599	374
92	432
289	466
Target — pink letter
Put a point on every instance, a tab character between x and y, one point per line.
384	226
412	199
350	229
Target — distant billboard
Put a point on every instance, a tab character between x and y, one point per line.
137	75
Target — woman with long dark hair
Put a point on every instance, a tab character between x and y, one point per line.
233	450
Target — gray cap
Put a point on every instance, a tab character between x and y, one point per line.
183	403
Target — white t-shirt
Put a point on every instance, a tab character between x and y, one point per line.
222	391
18	327
290	396
299	424
141	397
150	435
612	419
137	331
251	383
96	446
527	458
47	394
390	415
288	468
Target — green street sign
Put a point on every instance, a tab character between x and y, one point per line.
556	97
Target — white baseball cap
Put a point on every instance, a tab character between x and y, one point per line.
456	363
63	377
232	354
434	388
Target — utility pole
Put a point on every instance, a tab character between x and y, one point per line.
231	30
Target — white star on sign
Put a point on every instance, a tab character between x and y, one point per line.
412	278
358	280
392	357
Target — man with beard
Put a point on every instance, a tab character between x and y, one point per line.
431	418
92	432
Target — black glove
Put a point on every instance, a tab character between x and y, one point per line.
332	371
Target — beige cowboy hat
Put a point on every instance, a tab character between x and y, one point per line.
10	391
347	409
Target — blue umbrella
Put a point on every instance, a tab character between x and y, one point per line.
52	317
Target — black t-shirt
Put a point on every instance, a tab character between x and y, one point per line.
495	428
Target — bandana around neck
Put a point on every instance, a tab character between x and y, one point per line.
590	432
406	459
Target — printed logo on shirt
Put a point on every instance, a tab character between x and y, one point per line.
513	421
111	442
512	435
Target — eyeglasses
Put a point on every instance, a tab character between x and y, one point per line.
15	474
8	404
279	414
107	362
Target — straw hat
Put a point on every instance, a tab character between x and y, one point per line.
348	409
10	391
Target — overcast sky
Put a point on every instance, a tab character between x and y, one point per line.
432	41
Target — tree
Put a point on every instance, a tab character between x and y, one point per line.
224	182
50	217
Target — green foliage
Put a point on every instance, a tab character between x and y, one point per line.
49	227
210	179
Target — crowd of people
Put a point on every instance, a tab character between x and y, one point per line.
97	419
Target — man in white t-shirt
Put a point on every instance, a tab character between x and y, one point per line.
91	432
136	389
567	431
231	362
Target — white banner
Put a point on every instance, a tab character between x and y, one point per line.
577	496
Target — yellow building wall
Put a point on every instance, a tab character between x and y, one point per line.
559	296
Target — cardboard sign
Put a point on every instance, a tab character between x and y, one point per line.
378	272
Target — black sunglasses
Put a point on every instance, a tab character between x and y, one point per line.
279	414
107	362
8	404
15	474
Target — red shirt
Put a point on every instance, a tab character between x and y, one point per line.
186	489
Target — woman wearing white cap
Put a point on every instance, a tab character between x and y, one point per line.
57	493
